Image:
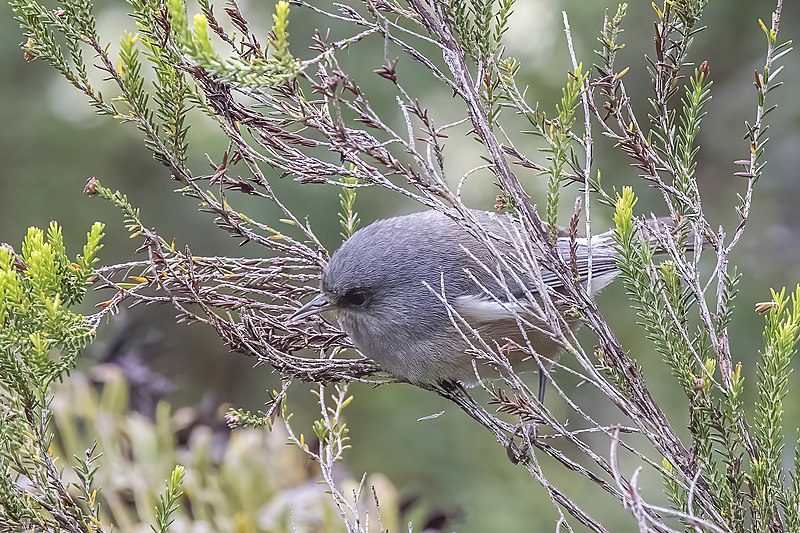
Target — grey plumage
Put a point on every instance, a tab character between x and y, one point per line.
381	283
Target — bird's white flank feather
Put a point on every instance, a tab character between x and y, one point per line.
481	308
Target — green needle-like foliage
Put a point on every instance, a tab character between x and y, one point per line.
652	294
168	501
717	420
262	70
348	217
780	338
41	337
559	136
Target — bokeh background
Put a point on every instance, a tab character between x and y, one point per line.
51	142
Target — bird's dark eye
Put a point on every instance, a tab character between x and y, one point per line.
355	297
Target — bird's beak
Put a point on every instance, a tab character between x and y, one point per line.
316	306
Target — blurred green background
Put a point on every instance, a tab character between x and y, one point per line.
51	142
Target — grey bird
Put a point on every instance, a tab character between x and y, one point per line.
385	285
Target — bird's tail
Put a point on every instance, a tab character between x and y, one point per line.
657	231
660	232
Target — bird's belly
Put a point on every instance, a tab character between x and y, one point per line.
445	355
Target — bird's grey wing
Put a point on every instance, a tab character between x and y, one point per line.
603	264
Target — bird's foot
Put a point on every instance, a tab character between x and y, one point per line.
528	432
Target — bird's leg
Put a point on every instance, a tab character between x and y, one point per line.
527	431
542	384
511	346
